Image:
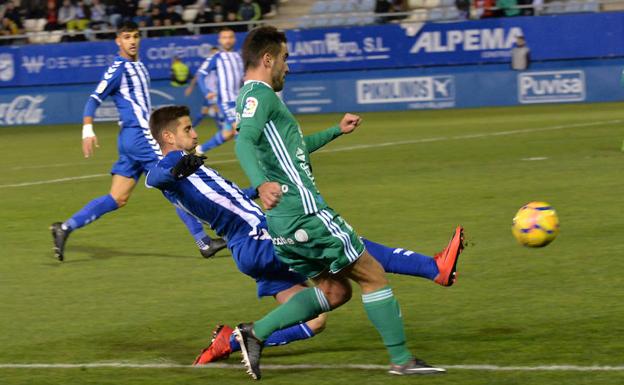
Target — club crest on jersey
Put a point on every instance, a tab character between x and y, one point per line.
251	104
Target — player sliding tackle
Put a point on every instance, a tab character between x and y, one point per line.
276	157
202	192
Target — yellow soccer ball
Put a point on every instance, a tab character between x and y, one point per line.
535	225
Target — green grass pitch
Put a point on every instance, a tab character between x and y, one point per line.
134	288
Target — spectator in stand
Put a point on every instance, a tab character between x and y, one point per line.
233	17
67	15
141	19
528	11
463	6
158	4
8	28
33	9
83	16
128	9
98	15
156	22
249	11
51	16
485	9
173	15
268	7
230	6
507	7
12	13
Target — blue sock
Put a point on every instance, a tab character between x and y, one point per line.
197	119
402	261
92	211
281	337
193	225
213	142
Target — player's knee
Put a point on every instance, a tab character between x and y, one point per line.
338	296
318	324
121	200
228	134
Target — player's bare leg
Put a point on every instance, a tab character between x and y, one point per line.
384	313
120	191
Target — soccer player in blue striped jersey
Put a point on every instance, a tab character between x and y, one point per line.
204	193
127	81
207	82
228	67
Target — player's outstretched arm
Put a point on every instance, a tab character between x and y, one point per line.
348	123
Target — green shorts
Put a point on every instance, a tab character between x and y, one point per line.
312	244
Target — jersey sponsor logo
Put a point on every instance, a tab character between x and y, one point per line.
551	86
24	109
101	86
7	67
402	90
277	241
251	105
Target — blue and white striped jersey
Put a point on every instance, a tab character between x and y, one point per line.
207	80
127	82
230	73
210	198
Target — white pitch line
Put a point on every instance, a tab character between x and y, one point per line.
53	180
365	146
158	365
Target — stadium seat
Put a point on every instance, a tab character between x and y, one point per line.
553	7
366	6
451	13
55	37
573	7
435	14
432	3
189	14
30	25
319	7
591	6
418	15
447	3
336	6
416	4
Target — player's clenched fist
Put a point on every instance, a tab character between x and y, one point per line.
349	123
270	194
187	165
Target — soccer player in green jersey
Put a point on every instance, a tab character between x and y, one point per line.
308	235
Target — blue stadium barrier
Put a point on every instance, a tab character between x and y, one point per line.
377	90
563	37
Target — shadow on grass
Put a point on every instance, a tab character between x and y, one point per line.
103	253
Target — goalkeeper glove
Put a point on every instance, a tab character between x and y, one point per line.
187	165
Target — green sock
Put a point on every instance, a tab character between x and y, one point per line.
383	311
301	307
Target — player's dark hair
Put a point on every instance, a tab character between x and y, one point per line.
127	26
261	40
226	29
166	118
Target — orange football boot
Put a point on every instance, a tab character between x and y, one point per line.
219	348
447	259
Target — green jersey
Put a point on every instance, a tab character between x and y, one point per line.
271	148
